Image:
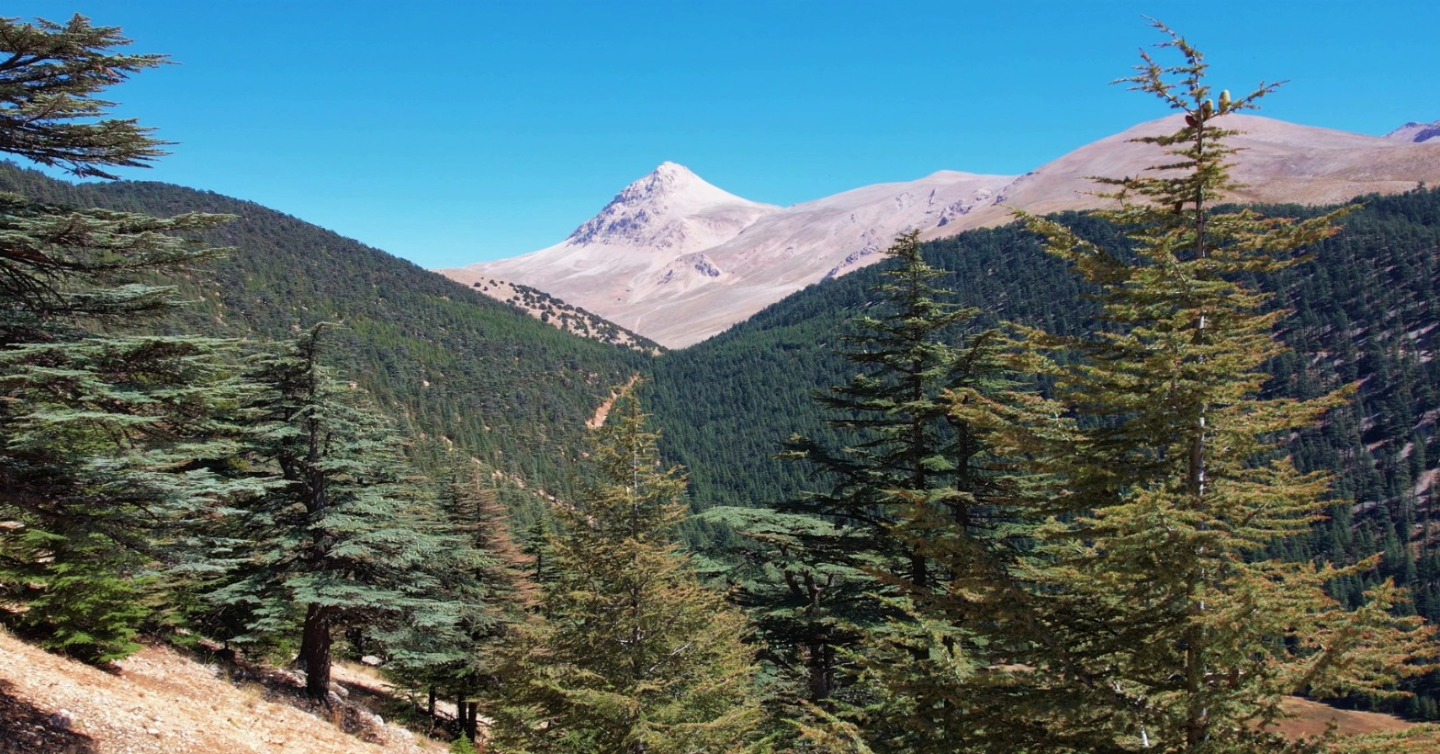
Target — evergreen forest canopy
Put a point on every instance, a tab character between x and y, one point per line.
1041	502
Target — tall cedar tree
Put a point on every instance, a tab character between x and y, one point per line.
907	449
48	84
921	475
634	655
1169	628
805	583
911	469
343	542
100	438
56	263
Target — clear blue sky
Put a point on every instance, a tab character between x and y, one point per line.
451	132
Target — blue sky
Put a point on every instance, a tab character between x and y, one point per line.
454	132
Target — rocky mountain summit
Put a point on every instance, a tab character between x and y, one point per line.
671	209
678	260
1417	133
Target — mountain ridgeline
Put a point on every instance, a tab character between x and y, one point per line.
679	260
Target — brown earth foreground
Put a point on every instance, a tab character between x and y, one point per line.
161	701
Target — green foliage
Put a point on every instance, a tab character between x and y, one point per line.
484	577
112	443
90	600
49	112
901	450
814	566
64	267
342	542
1364	307
634	655
1167	627
901	568
462	745
107	442
445	362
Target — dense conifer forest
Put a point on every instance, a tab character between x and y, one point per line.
1109	482
1365	309
448	363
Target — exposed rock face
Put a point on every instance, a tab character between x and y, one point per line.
1417	133
671	209
678	260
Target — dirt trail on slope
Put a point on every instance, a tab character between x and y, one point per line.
603	412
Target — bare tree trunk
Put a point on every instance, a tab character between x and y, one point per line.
315	653
822	671
472	718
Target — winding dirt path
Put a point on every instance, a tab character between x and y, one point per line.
603	412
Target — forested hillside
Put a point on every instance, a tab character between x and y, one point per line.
1080	485
447	361
1365	312
457	365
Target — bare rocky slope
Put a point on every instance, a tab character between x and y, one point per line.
1416	132
163	702
678	260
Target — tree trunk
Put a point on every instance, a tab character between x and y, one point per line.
821	672
315	652
431	708
472	718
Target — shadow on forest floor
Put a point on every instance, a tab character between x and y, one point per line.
27	729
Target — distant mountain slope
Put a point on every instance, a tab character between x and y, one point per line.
1276	162
446	360
1417	132
679	293
571	319
641	264
635	242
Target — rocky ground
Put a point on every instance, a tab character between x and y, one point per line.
161	701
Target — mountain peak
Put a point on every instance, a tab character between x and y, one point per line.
657	211
668	168
1416	132
671	180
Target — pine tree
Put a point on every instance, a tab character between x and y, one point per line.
906	450
344	541
824	555
48	85
915	504
806	584
104	441
111	444
929	474
1169	627
59	263
634	654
